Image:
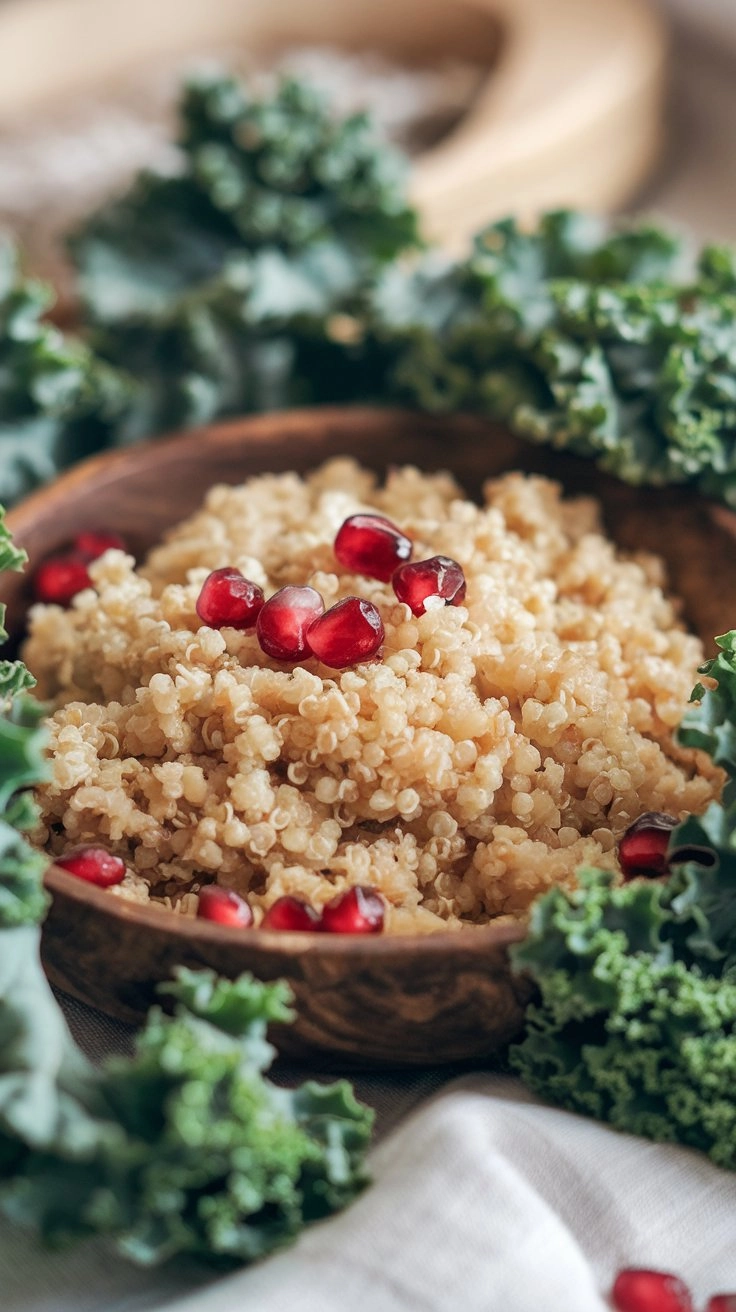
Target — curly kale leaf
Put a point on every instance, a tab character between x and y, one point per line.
636	1018
284	171
217	288
711	724
22	764
57	402
14	677
187	1147
625	1029
271	271
593	341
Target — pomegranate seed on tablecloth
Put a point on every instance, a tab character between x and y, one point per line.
94	865
439	576
349	632
224	907
229	599
721	1303
638	1290
359	911
643	848
58	579
371	545
290	913
285	620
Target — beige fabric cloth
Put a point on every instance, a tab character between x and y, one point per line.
483	1201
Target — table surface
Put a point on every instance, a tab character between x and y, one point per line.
696	187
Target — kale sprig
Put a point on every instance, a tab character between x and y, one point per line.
58	402
597	341
279	265
186	1146
636	1018
205	286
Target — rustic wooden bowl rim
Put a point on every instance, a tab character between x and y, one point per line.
189	928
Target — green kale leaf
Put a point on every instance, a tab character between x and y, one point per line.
626	1030
636	1018
597	342
204	286
186	1147
57	402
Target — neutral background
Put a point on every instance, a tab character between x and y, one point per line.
484	1201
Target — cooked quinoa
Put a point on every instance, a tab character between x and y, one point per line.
495	747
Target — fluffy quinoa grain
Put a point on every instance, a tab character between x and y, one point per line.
495	748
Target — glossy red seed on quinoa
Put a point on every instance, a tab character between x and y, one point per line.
291	913
361	910
95	865
284	622
349	632
371	545
440	576
57	580
229	600
642	849
90	545
224	907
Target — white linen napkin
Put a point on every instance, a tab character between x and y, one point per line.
484	1200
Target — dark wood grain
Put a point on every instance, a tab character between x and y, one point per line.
392	1000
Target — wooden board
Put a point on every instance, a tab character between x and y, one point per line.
571	112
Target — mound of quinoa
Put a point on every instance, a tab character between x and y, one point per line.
495	747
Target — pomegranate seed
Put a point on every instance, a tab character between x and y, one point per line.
94	865
290	913
359	911
90	546
722	1303
285	620
229	599
371	545
224	907
643	848
438	577
59	579
650	1291
351	631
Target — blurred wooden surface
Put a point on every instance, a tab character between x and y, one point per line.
571	112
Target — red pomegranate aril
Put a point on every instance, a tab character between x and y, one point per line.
359	911
290	913
637	1290
439	576
224	907
94	865
58	579
229	599
643	848
349	632
371	545
285	620
721	1303
90	546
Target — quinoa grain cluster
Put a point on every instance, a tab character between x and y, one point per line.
493	749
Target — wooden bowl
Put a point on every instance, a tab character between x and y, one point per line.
392	1000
